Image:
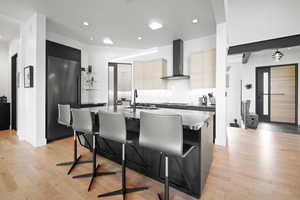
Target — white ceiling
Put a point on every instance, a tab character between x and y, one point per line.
121	20
256	20
9	29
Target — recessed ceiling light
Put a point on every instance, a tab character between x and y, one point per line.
108	41
195	21
92	38
85	23
140	38
155	25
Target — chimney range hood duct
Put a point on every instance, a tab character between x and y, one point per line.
177	61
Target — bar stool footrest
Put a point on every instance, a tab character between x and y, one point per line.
123	192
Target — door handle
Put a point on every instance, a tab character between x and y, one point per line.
277	94
272	94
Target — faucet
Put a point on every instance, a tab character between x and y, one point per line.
134	100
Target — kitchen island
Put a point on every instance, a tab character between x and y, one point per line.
186	174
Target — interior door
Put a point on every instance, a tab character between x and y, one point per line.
119	84
112	84
14	92
283	94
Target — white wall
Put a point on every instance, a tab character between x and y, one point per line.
5	77
177	90
246	73
257	20
31	101
233	91
99	57
221	131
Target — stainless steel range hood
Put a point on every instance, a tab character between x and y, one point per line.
177	62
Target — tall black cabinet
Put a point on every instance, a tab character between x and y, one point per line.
4	116
62	85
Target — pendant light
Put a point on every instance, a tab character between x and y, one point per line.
277	55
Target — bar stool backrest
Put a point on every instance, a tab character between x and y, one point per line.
82	121
163	133
64	114
112	126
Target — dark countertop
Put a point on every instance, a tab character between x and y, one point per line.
200	107
89	105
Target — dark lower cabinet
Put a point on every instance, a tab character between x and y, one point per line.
4	116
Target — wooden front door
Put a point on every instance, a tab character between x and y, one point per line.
283	94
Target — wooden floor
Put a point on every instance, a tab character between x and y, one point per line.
254	165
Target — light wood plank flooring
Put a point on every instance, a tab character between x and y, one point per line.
253	165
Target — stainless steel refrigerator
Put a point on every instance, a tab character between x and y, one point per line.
62	85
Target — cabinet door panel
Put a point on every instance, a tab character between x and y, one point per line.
147	74
138	75
203	69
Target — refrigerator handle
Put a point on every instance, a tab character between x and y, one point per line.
78	91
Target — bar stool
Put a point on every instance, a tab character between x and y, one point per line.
163	133
64	118
113	127
83	122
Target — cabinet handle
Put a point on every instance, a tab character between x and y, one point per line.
207	124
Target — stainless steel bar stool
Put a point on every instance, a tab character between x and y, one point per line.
113	127
163	133
83	122
64	118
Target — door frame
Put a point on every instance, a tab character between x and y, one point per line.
296	90
266	118
115	66
14	98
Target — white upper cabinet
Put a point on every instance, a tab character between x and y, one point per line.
147	74
203	69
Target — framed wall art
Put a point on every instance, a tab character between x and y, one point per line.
28	77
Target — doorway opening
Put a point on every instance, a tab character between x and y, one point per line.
119	84
14	84
277	94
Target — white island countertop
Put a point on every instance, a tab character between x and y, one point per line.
192	119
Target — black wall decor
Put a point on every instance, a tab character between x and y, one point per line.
28	77
4	116
248	86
